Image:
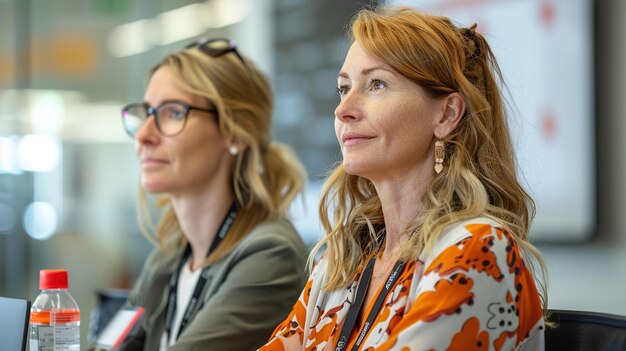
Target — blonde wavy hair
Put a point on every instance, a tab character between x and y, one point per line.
267	175
479	177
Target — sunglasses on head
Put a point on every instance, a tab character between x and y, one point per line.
216	47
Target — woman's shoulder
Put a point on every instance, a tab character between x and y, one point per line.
273	234
479	260
156	272
473	228
274	227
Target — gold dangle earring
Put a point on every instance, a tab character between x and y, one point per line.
440	154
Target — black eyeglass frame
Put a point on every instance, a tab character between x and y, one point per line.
230	46
154	111
203	45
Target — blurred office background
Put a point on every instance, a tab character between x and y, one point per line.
68	173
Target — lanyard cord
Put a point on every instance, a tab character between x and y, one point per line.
353	312
173	283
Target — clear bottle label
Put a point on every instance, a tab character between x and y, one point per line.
55	331
41	338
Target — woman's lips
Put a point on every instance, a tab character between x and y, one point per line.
355	139
152	162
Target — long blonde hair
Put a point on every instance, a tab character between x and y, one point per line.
267	175
479	178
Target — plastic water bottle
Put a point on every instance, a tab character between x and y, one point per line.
54	316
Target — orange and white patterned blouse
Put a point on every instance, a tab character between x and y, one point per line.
473	292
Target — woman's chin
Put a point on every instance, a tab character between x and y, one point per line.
153	187
353	168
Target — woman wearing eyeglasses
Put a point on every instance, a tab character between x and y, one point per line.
228	265
427	225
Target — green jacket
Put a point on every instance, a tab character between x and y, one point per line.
248	293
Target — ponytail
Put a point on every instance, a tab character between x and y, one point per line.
284	175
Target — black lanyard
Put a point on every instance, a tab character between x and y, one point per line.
173	284
353	312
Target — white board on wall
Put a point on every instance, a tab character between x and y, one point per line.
545	51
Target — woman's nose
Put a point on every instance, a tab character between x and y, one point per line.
148	131
349	107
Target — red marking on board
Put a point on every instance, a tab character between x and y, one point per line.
549	124
547	13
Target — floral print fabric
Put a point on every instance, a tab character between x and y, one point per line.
473	292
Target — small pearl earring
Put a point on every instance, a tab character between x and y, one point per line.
234	150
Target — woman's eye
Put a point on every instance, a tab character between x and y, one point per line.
178	114
378	84
172	113
343	90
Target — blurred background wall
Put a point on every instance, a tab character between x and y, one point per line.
68	173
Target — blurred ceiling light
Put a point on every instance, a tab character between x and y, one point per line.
40	220
227	12
130	38
39	153
176	25
181	23
47	113
9	95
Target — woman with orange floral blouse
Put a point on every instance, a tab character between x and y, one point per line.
427	225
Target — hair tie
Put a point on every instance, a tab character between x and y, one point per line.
470	35
472	29
473	52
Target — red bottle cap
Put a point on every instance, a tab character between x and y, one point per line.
53	279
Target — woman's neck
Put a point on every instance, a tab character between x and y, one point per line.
400	202
200	216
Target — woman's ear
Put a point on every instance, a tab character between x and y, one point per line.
238	142
454	109
236	146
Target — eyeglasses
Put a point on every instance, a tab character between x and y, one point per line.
170	117
216	47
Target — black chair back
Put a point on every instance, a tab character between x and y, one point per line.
109	301
586	331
